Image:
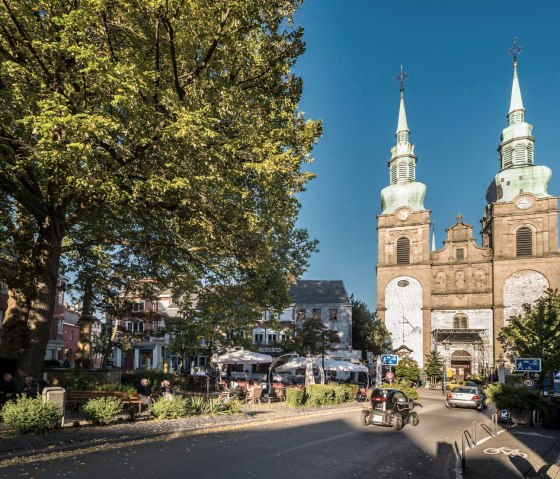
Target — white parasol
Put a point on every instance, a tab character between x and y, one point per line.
242	356
334	365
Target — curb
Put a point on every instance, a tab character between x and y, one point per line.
87	445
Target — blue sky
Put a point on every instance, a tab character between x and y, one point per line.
457	97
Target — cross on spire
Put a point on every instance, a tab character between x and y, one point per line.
515	50
401	77
459	218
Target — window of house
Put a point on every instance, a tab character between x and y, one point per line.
460	321
138	307
284	337
301	314
272	338
317	314
333	314
259	338
403	251
460	254
135	326
524	242
61	297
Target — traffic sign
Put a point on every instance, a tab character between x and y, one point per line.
389	359
532	365
504	414
389	376
528	382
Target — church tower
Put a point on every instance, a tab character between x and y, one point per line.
403	229
520	222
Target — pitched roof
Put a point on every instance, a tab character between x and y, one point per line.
319	291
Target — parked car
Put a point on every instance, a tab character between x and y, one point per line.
390	407
466	396
455	384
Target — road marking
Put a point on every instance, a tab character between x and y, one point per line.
508	451
532	434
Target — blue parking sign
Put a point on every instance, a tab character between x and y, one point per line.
529	365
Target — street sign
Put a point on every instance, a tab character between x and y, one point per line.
504	414
528	382
531	365
389	359
389	376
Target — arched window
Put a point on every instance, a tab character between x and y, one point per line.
460	321
524	241
403	251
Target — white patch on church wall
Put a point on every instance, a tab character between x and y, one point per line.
403	317
520	288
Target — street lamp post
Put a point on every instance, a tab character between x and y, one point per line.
323	349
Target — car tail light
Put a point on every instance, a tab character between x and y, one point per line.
476	397
379	399
449	396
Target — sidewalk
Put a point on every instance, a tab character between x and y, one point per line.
70	438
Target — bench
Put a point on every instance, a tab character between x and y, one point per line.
78	398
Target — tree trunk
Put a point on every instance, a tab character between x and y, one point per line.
33	344
83	355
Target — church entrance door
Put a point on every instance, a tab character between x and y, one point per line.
461	370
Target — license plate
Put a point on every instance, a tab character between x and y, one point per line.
377	418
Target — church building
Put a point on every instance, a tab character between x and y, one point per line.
455	300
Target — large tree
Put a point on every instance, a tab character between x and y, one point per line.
368	333
535	333
168	130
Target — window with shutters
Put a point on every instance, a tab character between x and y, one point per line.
530	154
393	174
402	171
507	154
460	321
519	155
524	241
403	251
411	171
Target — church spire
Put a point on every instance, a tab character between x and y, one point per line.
403	189
402	125
516	112
516	147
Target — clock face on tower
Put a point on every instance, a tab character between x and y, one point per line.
403	214
524	202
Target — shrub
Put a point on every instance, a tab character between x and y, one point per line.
294	397
512	396
410	391
30	415
197	406
319	395
101	411
170	407
350	391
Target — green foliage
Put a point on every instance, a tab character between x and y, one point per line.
514	396
407	370
115	387
310	337
101	411
170	407
130	379
166	142
433	366
349	391
197	406
294	397
82	381
535	333
408	389
51	363
30	415
320	395
368	333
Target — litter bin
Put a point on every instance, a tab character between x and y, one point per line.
58	396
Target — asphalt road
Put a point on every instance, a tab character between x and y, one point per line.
332	446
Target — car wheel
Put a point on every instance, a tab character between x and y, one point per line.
414	419
397	421
365	418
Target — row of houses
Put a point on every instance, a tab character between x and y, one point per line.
322	300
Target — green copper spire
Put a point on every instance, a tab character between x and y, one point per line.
403	190
518	173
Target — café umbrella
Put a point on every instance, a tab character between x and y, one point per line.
334	365
242	356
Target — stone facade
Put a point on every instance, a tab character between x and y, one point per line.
457	299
